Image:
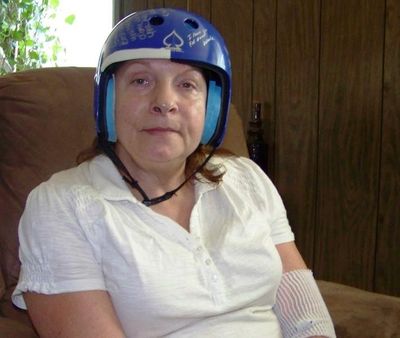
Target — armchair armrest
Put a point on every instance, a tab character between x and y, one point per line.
359	313
13	329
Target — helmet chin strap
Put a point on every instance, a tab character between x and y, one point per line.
126	176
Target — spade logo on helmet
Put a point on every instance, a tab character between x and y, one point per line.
176	35
173	41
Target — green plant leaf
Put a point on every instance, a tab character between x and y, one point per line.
54	3
70	19
18	35
34	55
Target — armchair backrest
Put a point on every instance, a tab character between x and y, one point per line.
46	119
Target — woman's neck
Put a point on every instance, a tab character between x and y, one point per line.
179	207
157	179
154	178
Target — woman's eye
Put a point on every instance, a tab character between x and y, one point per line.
188	85
139	82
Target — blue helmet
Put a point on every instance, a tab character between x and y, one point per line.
172	34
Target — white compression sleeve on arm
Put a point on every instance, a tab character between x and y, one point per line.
300	307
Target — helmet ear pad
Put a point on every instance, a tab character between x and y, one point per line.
110	110
213	111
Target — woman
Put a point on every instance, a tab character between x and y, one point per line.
155	236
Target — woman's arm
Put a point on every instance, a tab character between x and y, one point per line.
299	305
83	314
290	257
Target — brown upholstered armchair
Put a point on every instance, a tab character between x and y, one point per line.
45	121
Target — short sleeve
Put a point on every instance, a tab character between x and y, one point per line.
264	196
59	251
281	231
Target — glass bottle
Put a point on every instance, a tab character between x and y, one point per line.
256	144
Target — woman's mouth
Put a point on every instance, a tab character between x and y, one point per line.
158	130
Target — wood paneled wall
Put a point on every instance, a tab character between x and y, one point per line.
327	73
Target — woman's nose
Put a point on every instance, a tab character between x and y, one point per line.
164	99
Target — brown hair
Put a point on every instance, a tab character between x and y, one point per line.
212	173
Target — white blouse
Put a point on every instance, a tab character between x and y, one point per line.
84	230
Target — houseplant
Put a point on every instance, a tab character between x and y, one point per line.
27	39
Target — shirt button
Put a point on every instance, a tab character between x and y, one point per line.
208	261
199	249
214	278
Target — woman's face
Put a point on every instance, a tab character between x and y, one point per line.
160	110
